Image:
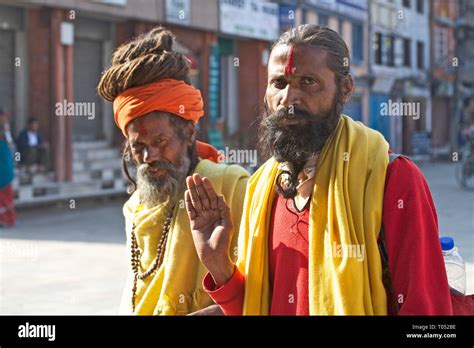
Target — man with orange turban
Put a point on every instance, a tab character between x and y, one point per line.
156	108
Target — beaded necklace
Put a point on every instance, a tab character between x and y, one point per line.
135	255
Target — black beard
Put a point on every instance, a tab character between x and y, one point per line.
295	143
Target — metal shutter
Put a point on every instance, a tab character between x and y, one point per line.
87	72
7	61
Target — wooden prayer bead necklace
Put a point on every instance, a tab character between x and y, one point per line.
135	255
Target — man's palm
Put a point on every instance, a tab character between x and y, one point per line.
211	223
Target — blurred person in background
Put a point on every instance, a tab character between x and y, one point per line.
33	149
157	108
7	204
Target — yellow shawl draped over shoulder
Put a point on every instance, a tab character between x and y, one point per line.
345	214
176	287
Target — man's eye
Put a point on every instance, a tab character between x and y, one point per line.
137	147
309	81
279	83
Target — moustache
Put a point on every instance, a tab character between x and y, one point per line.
168	166
293	114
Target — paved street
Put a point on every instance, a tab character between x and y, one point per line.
59	260
64	261
455	209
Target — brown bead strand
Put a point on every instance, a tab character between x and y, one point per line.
135	255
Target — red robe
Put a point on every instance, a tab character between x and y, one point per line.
416	263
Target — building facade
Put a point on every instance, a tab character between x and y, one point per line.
463	97
444	15
400	64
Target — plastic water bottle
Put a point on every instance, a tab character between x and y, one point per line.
455	267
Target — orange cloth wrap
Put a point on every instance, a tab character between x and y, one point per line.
167	95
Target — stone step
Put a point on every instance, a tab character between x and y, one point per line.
83	177
73	188
96	154
30	195
23	178
39	179
99	174
79	166
30	192
116	189
112	163
87	145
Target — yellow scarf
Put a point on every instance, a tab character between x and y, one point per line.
176	287
345	214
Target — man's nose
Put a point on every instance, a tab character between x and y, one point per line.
290	96
151	154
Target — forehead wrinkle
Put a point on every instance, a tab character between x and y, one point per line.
142	128
279	71
276	69
137	137
279	56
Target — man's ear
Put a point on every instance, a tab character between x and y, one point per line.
190	132
347	87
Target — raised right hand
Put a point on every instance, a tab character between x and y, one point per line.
211	227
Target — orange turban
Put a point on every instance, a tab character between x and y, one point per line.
167	95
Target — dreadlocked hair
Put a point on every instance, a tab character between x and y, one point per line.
147	58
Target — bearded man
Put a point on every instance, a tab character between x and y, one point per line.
156	108
314	212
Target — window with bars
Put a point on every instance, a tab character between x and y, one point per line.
419	6
357	43
390	50
384	49
420	55
406	52
378	48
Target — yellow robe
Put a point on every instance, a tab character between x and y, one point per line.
176	288
345	213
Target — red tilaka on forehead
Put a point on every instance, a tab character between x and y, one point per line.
290	65
142	129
